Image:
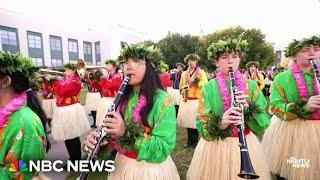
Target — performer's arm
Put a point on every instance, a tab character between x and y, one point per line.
279	105
261	81
203	79
260	119
202	112
23	144
162	140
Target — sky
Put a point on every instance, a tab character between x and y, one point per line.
279	20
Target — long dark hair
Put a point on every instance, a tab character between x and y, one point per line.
149	85
21	84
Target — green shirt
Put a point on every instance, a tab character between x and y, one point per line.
21	140
284	94
211	101
156	147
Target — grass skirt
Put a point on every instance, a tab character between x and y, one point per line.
187	113
48	106
221	160
293	148
92	100
69	122
175	95
127	168
102	108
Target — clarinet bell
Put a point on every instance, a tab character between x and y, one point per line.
246	169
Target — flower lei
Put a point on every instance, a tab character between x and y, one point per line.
225	95
226	98
302	87
142	102
15	104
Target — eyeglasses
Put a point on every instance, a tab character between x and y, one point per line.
132	64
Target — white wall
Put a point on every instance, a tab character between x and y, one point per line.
110	36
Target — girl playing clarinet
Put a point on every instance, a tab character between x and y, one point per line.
144	126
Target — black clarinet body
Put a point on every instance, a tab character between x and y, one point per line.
102	130
246	169
316	71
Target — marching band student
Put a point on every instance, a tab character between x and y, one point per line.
292	141
253	74
93	96
48	100
190	85
175	78
22	120
217	155
69	120
109	86
144	125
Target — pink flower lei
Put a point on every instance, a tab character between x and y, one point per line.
225	95
142	102
302	87
15	103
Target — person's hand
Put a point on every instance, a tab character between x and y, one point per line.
231	116
115	125
241	97
313	103
91	141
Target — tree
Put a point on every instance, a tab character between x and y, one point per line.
148	43
175	47
259	49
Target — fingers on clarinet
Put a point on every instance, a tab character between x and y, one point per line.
96	134
235	118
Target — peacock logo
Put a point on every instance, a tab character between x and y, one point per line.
18	165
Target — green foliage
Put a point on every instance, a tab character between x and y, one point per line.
258	49
175	47
192	56
299	109
213	126
97	75
70	66
222	46
112	61
11	63
295	46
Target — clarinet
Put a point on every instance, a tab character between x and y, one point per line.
102	130
316	71
246	169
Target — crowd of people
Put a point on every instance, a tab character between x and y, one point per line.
156	101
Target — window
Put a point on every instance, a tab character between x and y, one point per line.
97	48
73	47
86	48
56	51
87	52
55	44
9	39
98	51
37	61
56	63
34	41
35	48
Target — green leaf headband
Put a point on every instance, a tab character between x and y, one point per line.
70	66
192	56
141	51
295	46
11	63
111	61
230	45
